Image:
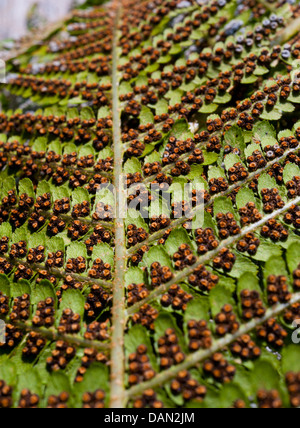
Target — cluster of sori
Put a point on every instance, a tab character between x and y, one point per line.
6	400
252	305
140	368
219	368
146	317
160	274
273	333
95	400
90	357
155	95
60	357
200	336
148	400
293	385
96	301
226	321
58	402
203	279
69	168
169	350
269	399
177	298
246	348
188	387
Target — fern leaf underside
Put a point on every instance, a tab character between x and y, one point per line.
188	300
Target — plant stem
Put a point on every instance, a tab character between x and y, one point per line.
118	310
209	256
288	33
202	355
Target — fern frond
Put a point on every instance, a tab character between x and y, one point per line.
117	288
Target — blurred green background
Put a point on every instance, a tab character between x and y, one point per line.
19	16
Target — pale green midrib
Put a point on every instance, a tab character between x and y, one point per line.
117	387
